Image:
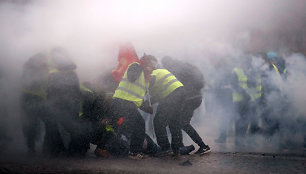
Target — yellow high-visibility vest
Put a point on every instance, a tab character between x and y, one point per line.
258	87
41	91
242	80
83	88
165	83
256	94
131	91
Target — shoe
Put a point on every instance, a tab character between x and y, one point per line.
102	153
185	150
203	151
136	156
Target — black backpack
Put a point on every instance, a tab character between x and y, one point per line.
188	74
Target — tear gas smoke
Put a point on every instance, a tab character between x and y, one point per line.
213	35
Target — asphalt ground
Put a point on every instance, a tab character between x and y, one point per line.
215	162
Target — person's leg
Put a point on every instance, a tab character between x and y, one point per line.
194	135
30	121
138	131
175	134
151	147
65	114
133	125
160	124
53	143
253	118
241	125
174	103
31	132
187	113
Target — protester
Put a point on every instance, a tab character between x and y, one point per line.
127	98
64	96
33	100
193	81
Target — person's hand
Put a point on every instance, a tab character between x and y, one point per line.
146	107
105	121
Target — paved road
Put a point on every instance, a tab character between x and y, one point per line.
211	163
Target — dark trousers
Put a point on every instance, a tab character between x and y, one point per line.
253	117
168	114
246	115
34	111
186	114
133	125
241	123
65	114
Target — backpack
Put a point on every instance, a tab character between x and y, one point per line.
188	74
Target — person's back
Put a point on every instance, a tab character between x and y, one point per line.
63	85
188	74
35	73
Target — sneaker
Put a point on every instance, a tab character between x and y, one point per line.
136	156
203	151
185	150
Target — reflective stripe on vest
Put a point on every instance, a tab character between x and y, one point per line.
165	83
84	88
52	70
40	92
136	83
279	77
131	91
276	69
258	87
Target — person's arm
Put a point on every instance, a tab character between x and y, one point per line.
134	72
154	99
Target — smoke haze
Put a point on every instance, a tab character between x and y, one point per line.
203	33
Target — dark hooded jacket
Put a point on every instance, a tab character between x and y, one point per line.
63	90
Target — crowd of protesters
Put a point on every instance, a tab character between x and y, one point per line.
77	114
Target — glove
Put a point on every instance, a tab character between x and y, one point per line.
146	107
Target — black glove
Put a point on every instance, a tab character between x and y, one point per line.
146	107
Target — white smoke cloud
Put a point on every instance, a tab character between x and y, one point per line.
202	32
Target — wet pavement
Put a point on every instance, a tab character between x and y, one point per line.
215	162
